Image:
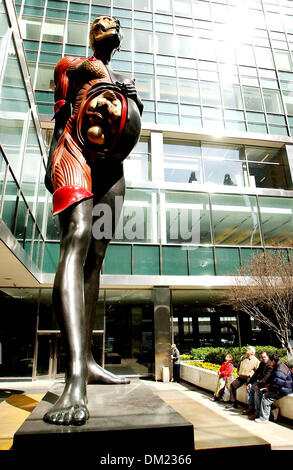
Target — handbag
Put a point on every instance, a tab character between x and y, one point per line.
226	394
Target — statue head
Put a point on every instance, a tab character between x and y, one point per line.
106	34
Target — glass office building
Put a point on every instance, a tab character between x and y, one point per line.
209	183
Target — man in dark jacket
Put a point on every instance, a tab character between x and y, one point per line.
279	385
258	381
176	363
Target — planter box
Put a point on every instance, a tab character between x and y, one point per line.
208	379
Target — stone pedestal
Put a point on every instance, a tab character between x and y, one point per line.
123	419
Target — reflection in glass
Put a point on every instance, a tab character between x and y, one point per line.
252	98
13	109
30	27
129	332
54	31
31	165
9	207
266	167
235	220
136	166
225	172
181	164
187	218
138	221
277	221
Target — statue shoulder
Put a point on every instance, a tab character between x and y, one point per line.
66	63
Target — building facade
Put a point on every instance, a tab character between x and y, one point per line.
209	183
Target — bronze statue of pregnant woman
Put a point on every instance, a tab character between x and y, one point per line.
97	124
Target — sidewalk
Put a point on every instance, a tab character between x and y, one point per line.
214	427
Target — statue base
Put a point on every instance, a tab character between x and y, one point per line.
123	419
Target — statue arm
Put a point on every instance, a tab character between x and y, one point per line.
129	90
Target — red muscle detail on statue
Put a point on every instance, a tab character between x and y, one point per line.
72	157
68	195
61	78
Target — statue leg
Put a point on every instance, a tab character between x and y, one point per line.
94	261
69	306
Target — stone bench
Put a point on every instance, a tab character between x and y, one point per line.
207	379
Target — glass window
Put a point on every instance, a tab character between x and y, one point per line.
201	261
227	261
145	85
210	93
174	261
146	260
51	256
186	47
266	168
53	30
273	101
232	97
245	55
206	49
13	111
31	166
77	33
30	27
165	44
187	218
222	165
277	221
264	57
42	197
182	7
9	205
288	99
201	10
275	21
118	259
283	60
235	219
143	41
163	6
252	98
138	221
136	166
182	163
143	5
21	220
53	228
4	28
45	78
50	13
167	89
189	91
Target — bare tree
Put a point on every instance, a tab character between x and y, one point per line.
263	289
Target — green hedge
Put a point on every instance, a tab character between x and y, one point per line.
217	355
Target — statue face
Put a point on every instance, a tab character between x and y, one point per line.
104	27
104	113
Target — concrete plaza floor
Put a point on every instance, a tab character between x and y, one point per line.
215	427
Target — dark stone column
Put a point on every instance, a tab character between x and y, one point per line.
162	330
245	328
216	327
195	330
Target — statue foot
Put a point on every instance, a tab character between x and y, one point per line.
70	408
98	375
